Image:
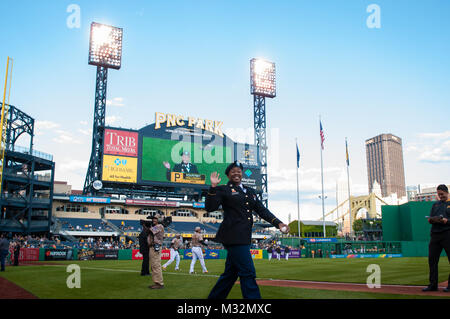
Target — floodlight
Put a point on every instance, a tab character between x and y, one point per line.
105	46
262	78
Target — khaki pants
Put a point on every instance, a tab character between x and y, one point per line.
155	264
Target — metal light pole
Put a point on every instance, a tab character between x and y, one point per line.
262	85
105	51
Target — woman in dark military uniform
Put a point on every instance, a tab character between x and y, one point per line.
238	203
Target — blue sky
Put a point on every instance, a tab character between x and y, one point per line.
192	58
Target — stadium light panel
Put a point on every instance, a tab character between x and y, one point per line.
105	46
262	78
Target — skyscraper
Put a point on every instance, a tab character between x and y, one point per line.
385	164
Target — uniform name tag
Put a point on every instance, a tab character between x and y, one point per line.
235	193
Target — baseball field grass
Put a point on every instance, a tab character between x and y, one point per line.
122	280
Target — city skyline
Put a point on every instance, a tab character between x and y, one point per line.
191	60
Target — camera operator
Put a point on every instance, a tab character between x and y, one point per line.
144	249
155	239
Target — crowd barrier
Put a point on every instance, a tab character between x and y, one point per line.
46	254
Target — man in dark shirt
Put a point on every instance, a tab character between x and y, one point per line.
144	250
440	236
184	167
16	253
4	250
238	202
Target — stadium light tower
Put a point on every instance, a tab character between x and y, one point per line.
105	51
262	85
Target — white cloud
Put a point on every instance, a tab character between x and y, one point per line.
65	137
73	165
46	125
84	122
431	147
87	132
308	211
111	120
442	135
117	101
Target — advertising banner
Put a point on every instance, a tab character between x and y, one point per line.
26	254
87	199
58	254
136	255
368	256
118	142
119	169
247	154
251	177
106	254
143	202
212	254
85	254
321	240
207	253
294	253
256	253
165	254
183	162
29	254
198	205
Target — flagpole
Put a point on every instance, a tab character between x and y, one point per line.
321	170
298	199
348	187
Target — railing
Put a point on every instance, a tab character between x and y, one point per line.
25	150
15	173
25	199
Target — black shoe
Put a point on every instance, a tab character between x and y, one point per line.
447	289
429	288
145	274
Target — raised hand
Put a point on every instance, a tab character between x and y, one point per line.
215	179
166	164
284	228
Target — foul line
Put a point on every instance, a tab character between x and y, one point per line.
271	279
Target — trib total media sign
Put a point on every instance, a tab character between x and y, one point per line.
120	156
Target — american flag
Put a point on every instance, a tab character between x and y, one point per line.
322	137
346	153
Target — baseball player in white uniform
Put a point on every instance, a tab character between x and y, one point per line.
174	254
197	240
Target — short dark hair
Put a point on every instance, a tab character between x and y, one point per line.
233	165
443	188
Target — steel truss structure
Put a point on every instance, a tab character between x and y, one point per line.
27	183
94	171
